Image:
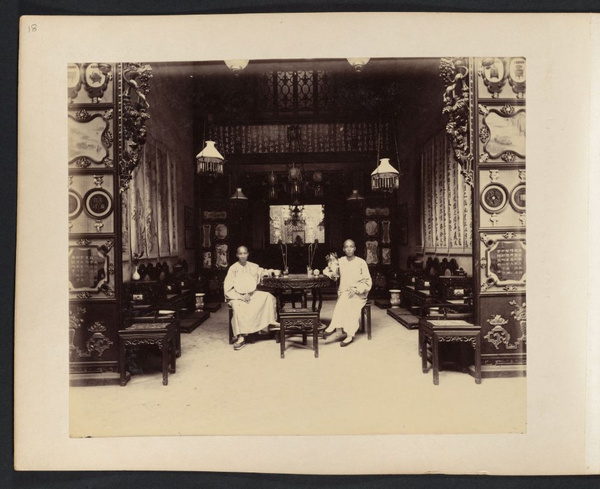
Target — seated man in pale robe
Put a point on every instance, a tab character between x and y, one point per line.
355	284
253	310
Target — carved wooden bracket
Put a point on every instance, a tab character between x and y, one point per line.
457	106
136	77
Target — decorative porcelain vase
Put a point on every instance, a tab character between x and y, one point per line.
395	297
136	274
199	302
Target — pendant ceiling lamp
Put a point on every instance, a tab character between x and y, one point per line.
238	195
385	178
209	160
236	65
355	197
358	63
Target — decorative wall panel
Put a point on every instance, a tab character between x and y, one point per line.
502	78
502	198
91	203
500	202
90	137
92	336
90	83
92	268
504	331
503	265
502	133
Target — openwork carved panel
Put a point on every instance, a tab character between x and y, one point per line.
135	107
457	106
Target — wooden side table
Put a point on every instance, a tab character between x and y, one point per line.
299	321
149	331
436	331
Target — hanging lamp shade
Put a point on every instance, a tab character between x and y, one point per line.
209	160
385	177
238	195
358	63
236	65
355	197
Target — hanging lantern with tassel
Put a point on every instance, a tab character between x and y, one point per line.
385	178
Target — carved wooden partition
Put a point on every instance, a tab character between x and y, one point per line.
485	102
106	116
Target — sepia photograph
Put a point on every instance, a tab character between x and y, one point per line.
297	246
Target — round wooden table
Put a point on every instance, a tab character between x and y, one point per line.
298	282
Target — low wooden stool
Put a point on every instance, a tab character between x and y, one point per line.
149	331
299	321
436	331
365	318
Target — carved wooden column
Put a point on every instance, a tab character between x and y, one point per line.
485	104
99	151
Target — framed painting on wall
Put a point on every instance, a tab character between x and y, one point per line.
189	238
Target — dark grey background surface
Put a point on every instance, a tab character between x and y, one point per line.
11	11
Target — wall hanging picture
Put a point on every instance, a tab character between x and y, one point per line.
173	202
150	204
137	213
125	226
371	228
386	256
207	260
206	236
162	197
385	226
372	255
212	215
189	238
220	231
222	258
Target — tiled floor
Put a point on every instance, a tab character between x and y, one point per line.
370	387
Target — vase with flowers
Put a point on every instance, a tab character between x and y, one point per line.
135	259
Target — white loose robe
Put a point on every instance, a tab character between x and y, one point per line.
353	273
259	313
